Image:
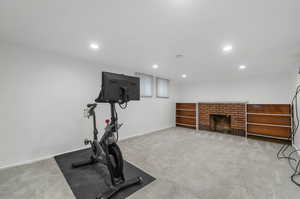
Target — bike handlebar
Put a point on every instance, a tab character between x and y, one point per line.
92	105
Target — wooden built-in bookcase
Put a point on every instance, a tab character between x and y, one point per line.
264	120
186	115
269	120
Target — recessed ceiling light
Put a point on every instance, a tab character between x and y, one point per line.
179	56
94	46
155	66
242	67
183	75
227	48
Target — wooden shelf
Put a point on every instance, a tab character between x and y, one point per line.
178	109
258	135
269	120
186	115
269	108
186	125
268	114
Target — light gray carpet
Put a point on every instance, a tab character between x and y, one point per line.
41	180
203	165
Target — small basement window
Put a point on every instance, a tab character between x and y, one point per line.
146	84
162	87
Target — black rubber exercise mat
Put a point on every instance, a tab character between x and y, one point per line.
89	181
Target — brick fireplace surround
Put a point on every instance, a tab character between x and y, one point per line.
237	111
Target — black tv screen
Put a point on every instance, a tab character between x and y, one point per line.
115	86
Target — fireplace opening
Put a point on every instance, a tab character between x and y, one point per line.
220	123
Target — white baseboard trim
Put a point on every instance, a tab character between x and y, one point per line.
56	154
39	159
149	132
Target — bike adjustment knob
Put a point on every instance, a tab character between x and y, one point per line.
87	142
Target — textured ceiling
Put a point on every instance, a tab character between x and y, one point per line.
135	34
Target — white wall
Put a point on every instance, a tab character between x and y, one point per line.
268	89
42	97
297	136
